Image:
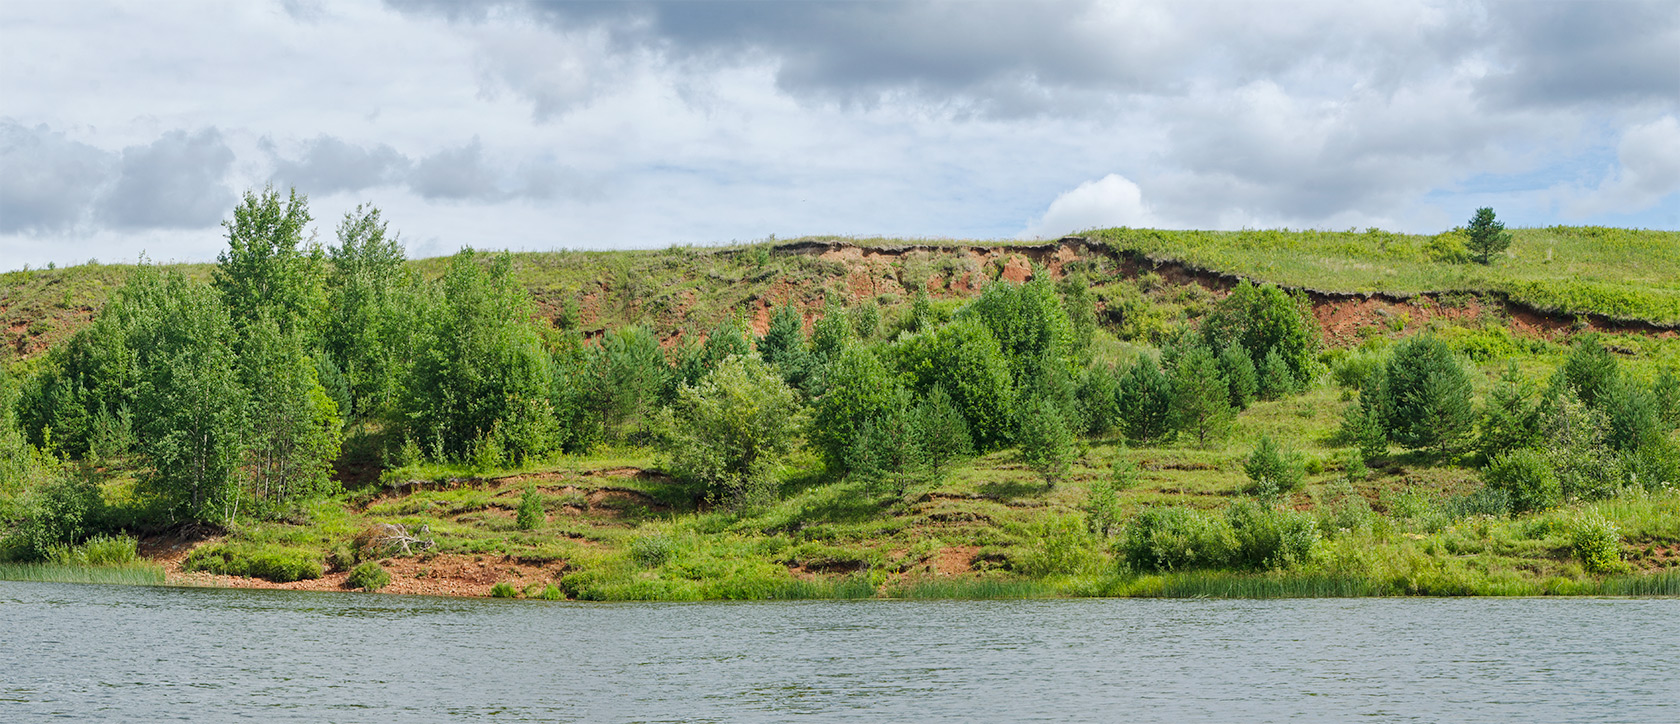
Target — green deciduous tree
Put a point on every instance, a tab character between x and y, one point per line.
966	360
268	269
1263	320
189	407
1426	396
1527	476
1487	236
370	317
732	432
859	390
293	427
630	375
1028	321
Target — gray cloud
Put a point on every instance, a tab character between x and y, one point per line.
456	174
48	181
1566	53
328	165
175	182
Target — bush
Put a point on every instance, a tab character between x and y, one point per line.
531	512
1598	543
1527	476
1177	539
1059	545
271	563
100	550
1046	440
61	513
1269	538
1271	473
1102	502
731	433
551	593
1238	368
1276	381
652	551
1266	320
368	576
503	590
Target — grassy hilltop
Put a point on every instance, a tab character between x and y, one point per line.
1576	324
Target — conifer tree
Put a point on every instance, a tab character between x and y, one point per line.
1487	236
1145	400
1238	368
1201	397
1426	396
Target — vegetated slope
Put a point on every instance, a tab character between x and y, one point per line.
1551	279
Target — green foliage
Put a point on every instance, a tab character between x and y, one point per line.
783	346
1264	320
732	432
729	339
1487	236
1046	439
100	550
1426	396
1102	498
1201	397
1362	423
1082	314
503	589
1060	545
1029	323
63	511
292	426
189	411
372	305
1272	473
267	271
866	320
1177	539
1269	538
1631	415
890	450
964	358
942	430
1598	544
369	576
1145	400
1526	475
859	390
1590	370
483	363
1575	435
530	514
1511	420
279	564
1275	379
631	374
1239	372
1666	390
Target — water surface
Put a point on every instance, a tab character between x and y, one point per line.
145	654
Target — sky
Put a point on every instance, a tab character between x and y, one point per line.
134	128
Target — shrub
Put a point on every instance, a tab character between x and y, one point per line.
1590	369
551	593
1201	397
1177	539
1598	543
503	590
1426	396
731	433
368	576
1269	538
531	512
1271	473
968	362
1264	320
1512	418
1059	545
1527	476
100	550
1276	381
61	513
272	563
1238	368
1102	502
652	551
1356	370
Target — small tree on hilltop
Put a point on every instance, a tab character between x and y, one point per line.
1487	236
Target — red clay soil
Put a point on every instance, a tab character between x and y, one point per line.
441	575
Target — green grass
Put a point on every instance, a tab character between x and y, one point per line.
1618	273
134	574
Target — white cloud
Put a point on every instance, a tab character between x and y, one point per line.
1109	201
1649	157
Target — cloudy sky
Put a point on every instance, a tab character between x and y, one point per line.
134	127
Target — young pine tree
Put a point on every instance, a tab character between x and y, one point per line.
943	430
1590	370
1238	367
1046	440
1276	380
1201	397
1271	473
1145	400
1487	236
1512	418
1426	396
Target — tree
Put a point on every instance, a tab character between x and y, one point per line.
1099	400
484	374
783	346
1275	380
267	270
726	340
1201	397
859	391
1270	472
1082	314
1238	368
731	432
1362	423
889	448
966	360
366	286
1145	400
1028	321
1045	439
1512	418
293	427
1590	370
1266	319
943	430
1527	476
1487	236
630	373
189	408
1426	396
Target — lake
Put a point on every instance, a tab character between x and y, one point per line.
89	652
